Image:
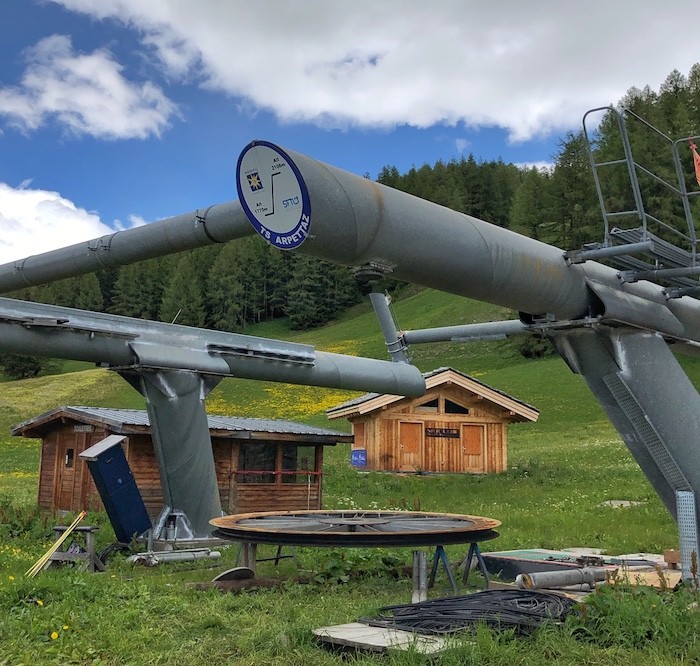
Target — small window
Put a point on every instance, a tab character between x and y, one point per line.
454	408
257	459
300	459
272	462
430	407
70	456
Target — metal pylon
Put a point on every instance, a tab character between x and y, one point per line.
183	448
647	396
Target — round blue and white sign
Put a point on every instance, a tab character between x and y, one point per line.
273	195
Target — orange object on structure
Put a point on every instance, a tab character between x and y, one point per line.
696	160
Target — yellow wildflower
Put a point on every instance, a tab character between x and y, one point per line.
39	602
54	635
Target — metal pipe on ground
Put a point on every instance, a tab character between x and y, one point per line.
556	579
153	558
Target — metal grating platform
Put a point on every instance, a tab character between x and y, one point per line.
687	532
649	241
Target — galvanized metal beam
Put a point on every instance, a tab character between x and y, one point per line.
206	226
127	343
647	396
182	445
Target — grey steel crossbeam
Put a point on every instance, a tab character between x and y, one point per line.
123	343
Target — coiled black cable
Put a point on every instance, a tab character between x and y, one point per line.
521	610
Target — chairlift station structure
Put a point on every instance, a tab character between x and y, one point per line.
614	327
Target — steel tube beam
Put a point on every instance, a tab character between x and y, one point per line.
207	226
394	344
124	342
356	221
556	579
486	330
351	220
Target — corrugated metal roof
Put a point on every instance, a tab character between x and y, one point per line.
354	401
138	417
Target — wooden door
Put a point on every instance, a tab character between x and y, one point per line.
410	446
473	448
66	477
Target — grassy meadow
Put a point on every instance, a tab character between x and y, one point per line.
560	471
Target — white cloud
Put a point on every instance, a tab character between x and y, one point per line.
35	221
136	221
461	145
540	165
531	67
86	93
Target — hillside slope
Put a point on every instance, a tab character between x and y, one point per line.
546	383
570	460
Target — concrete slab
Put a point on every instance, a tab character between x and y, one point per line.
620	504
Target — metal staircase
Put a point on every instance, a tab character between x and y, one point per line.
637	240
646	433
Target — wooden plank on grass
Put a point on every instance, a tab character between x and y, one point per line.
378	639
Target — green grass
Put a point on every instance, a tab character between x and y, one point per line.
560	471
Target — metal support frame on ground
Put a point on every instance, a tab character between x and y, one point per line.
475	552
440	557
614	330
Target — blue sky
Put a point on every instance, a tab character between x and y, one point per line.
120	112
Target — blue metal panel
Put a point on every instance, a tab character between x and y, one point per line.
118	490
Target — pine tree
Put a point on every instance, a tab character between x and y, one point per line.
225	289
528	210
183	295
138	289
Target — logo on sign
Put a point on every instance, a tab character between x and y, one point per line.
358	457
254	182
279	210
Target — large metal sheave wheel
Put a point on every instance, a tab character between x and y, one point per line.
355	528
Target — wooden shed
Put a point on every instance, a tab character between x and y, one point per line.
261	464
459	425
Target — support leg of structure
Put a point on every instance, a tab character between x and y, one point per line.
175	403
649	399
688	535
420	578
249	551
475	554
440	557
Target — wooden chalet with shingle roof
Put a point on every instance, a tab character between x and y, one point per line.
261	464
459	425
